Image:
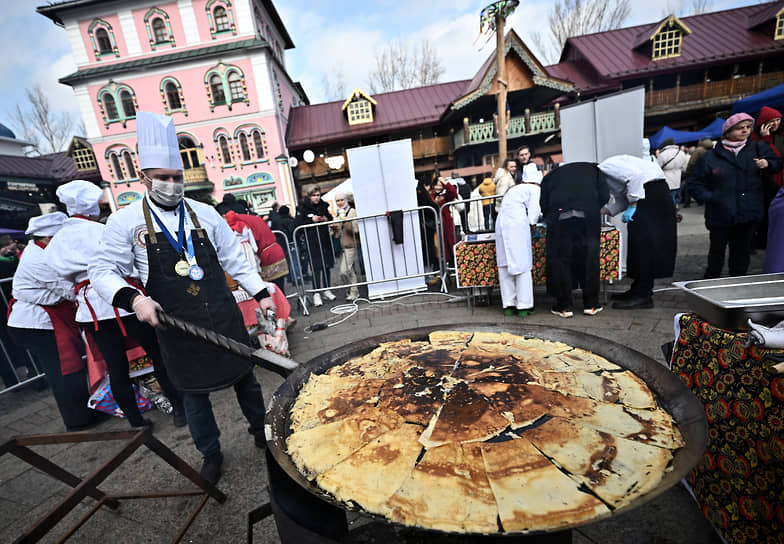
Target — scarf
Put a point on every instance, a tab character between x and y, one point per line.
733	146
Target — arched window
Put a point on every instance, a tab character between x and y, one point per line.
110	107
235	87
118	173
159	30
188	153
104	44
216	88
244	148
172	96
129	109
221	19
224	147
129	167
258	145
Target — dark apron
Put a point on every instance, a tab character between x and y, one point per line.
653	234
194	365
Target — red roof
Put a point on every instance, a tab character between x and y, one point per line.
321	124
715	37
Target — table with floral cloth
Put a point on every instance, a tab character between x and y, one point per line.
739	484
476	263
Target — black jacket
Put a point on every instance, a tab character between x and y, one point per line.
731	185
318	239
575	186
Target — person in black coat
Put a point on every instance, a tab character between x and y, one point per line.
729	181
318	241
571	199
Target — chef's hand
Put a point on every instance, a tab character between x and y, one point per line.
605	211
267	304
147	310
628	215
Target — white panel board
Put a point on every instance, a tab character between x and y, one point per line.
610	125
383	180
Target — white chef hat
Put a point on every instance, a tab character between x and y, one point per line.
45	225
158	147
531	173
80	197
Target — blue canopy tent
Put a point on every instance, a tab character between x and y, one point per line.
712	131
773	97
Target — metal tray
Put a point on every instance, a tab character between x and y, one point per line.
730	302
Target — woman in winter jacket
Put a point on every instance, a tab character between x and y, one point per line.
768	129
672	161
729	181
487	188
318	241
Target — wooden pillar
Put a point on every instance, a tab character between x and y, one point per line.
677	88
466	134
527	114
501	78
557	115
705	81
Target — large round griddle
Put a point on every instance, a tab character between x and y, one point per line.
671	393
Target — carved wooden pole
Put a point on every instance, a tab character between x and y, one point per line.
501	78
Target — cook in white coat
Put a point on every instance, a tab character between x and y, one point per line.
70	252
181	248
42	320
519	212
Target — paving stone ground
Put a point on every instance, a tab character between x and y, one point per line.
26	494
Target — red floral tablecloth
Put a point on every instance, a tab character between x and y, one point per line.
476	264
739	484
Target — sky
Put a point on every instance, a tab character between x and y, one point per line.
330	37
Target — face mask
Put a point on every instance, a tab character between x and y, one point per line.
167	192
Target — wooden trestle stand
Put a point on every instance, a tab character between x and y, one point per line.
88	486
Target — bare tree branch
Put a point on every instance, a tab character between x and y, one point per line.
697	7
334	86
399	66
570	18
49	130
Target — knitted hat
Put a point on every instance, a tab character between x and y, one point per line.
733	120
767	114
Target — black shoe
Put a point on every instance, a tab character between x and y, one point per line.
620	296
178	417
260	441
633	303
211	468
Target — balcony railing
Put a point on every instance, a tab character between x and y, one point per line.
430	147
725	90
485	132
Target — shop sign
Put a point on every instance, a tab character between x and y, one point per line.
20	186
260	177
123	199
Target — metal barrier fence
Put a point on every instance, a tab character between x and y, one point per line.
320	248
295	274
13	358
470	216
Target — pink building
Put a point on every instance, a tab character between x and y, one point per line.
215	66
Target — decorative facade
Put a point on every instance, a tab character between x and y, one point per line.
215	66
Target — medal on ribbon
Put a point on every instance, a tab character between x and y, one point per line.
186	266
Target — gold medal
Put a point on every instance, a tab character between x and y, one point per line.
182	268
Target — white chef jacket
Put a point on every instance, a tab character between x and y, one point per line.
122	247
69	253
626	176
519	210
35	284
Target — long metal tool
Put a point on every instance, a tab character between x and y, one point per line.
264	358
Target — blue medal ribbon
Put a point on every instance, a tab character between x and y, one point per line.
178	245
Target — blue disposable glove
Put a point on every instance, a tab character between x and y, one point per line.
629	214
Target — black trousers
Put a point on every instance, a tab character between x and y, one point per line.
573	258
738	237
70	391
111	343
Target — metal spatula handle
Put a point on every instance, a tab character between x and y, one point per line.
264	358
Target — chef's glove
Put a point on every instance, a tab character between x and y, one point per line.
772	337
267	304
629	214
146	310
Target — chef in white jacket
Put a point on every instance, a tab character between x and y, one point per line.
42	320
181	247
69	252
518	213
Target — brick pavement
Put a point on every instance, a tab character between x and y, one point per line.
26	494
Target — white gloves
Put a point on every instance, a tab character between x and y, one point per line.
147	310
770	337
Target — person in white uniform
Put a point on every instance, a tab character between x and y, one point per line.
70	252
180	248
41	319
518	213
